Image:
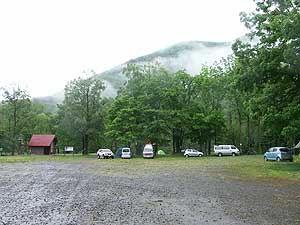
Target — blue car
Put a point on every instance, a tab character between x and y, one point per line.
279	154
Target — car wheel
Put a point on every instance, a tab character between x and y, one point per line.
219	154
277	159
186	156
199	155
233	154
112	157
265	158
98	156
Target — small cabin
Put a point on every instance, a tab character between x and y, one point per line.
42	144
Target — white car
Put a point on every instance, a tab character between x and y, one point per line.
279	154
148	151
221	150
126	153
192	152
105	154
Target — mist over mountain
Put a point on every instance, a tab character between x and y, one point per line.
190	56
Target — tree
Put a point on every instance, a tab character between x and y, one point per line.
271	67
136	115
166	107
17	107
81	110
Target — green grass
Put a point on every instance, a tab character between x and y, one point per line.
255	167
241	167
31	158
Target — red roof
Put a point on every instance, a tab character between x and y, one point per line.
41	140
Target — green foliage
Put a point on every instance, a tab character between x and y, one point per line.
250	99
15	118
166	108
269	70
20	118
79	115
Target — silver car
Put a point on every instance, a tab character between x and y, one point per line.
105	154
192	152
279	154
126	153
221	150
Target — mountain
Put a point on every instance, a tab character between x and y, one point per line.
50	102
190	56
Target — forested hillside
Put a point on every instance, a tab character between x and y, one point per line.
250	99
189	56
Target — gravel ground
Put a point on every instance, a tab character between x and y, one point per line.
93	192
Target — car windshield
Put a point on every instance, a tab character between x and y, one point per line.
125	150
106	150
148	150
284	149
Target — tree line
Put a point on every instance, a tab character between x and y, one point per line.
251	99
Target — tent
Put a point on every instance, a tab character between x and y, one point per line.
161	152
296	149
298	145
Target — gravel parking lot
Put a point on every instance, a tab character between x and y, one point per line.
110	192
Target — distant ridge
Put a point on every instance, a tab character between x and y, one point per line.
191	56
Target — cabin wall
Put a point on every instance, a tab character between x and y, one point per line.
52	148
43	150
37	150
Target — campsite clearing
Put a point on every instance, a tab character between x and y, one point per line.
168	190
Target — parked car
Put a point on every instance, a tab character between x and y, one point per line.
126	153
148	151
105	154
279	154
192	152
221	150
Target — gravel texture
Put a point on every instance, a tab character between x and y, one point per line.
93	192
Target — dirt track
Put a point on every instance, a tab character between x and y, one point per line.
90	192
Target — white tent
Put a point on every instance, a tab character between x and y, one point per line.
298	145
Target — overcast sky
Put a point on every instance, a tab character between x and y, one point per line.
44	44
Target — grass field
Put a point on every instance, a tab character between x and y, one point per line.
241	167
31	158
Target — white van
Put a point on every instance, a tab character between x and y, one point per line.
148	151
221	150
126	153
